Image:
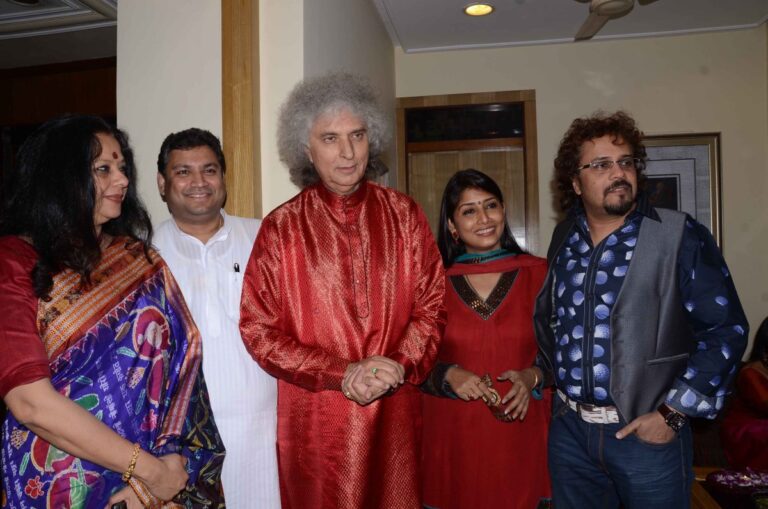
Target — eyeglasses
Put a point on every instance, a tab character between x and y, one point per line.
601	165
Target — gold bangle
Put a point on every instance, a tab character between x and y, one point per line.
132	465
535	378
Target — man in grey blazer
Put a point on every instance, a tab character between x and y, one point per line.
639	328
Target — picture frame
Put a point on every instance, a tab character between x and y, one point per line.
683	173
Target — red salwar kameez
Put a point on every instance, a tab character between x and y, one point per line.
335	279
471	459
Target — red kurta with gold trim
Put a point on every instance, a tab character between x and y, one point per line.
334	279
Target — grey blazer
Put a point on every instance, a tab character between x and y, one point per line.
651	339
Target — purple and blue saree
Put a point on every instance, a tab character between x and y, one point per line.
126	349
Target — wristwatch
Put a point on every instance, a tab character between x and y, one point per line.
673	418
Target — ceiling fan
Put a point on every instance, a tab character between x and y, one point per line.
600	11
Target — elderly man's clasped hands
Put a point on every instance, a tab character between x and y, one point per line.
372	377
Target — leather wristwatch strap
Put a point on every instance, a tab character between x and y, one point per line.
673	418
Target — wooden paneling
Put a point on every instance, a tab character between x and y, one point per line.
240	108
440	146
524	200
32	95
531	176
429	172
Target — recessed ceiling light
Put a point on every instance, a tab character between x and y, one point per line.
478	9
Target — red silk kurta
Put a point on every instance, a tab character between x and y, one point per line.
332	280
472	460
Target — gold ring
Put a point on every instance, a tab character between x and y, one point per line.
374	371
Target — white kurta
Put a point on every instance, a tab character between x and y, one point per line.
243	396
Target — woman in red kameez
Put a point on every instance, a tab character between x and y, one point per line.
343	303
474	457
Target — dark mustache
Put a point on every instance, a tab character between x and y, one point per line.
616	185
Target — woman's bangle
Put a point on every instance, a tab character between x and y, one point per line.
536	392
132	465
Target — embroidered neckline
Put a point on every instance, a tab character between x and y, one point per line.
484	308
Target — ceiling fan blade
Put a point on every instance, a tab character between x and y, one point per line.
591	26
645	2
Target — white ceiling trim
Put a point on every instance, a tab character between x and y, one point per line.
386	18
57	30
13	17
670	33
69	16
107	8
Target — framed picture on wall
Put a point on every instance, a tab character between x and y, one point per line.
684	174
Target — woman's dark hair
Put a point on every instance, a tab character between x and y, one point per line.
461	180
619	125
760	344
52	198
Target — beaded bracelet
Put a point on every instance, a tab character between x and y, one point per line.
132	465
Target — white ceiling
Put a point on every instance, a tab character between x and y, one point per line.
434	25
56	31
66	30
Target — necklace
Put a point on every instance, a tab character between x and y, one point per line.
483	257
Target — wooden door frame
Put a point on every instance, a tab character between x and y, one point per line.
529	142
241	136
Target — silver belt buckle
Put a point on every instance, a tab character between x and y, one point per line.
594	414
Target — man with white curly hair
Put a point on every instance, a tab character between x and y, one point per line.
343	303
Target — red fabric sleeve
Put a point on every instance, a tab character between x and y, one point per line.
24	359
262	322
418	347
753	388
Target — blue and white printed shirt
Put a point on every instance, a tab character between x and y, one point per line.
587	280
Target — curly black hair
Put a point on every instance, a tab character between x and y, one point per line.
619	125
52	198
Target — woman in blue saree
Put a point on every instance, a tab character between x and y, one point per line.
101	359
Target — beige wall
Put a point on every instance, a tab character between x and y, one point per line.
697	83
281	52
301	38
168	78
169	72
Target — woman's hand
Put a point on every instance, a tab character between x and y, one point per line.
66	425
125	495
519	395
467	385
168	478
371	378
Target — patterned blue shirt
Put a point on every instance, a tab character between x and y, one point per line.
587	280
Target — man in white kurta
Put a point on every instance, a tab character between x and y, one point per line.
207	251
